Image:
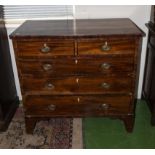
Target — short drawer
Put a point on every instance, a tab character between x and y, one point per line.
106	46
77	66
44	48
106	65
80	85
47	67
77	105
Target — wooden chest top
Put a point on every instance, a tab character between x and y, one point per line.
77	28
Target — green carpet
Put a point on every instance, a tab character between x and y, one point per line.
100	133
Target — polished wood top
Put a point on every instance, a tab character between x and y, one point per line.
77	28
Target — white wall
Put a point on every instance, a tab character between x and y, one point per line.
139	14
10	29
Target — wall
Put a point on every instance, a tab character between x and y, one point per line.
139	14
10	29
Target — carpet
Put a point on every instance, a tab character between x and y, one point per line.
105	133
52	134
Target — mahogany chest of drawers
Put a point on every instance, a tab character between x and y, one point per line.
78	68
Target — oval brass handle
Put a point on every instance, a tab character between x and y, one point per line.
45	48
105	66
105	85
52	107
105	47
105	106
47	67
49	86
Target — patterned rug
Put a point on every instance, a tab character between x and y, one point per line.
52	134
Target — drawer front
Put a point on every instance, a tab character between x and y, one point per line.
106	47
44	48
79	66
77	105
46	67
112	65
80	85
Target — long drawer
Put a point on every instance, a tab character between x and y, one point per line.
81	85
45	105
106	46
45	48
76	66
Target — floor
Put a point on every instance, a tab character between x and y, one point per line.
100	133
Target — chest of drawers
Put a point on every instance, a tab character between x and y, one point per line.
78	68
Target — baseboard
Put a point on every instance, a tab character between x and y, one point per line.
10	113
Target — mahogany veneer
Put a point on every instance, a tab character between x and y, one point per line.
78	68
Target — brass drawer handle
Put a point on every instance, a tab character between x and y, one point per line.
51	107
105	47
105	66
49	86
45	48
105	106
105	85
47	67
